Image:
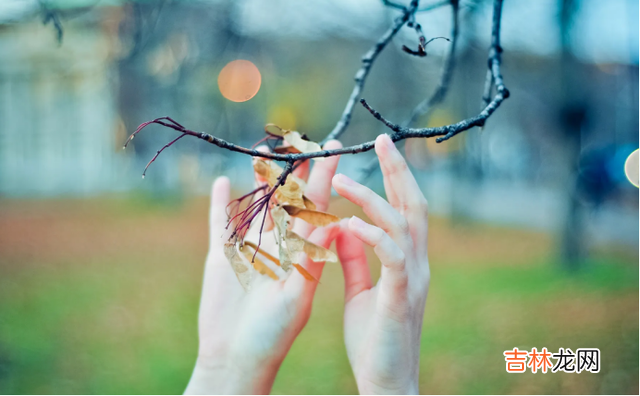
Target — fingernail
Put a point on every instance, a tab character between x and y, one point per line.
357	223
345	180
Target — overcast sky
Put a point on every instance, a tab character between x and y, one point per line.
604	31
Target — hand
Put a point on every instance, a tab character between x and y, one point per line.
383	323
244	337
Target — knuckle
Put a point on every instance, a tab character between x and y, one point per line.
398	262
422	205
379	236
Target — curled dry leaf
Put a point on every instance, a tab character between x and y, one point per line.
286	150
281	220
305	273
273	129
258	264
318	219
316	253
239	266
292	190
308	203
304	146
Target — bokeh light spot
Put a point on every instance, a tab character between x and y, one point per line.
631	168
239	80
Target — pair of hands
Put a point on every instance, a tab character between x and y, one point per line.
244	337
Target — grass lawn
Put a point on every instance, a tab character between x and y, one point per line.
101	296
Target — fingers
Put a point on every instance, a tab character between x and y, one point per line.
357	277
296	284
319	186
378	210
302	171
393	279
402	190
220	193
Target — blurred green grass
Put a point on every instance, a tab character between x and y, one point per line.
101	296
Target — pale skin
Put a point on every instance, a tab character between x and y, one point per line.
244	337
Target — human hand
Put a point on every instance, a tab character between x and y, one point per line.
383	323
244	337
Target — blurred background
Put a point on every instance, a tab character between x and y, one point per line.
534	222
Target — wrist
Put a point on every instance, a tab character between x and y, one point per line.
215	376
386	387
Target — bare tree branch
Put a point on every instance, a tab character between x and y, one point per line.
367	62
447	71
399	132
245	218
495	52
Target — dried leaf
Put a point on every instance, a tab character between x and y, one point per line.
258	264
281	220
289	193
305	146
308	203
305	273
318	219
262	252
273	129
286	150
239	266
316	253
285	256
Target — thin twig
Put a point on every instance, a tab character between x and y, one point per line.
400	133
502	93
447	72
367	62
161	150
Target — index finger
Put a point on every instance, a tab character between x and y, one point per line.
402	190
319	186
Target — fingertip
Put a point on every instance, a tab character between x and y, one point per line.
221	187
384	144
342	180
357	224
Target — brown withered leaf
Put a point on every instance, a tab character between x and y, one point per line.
305	273
258	264
318	219
239	266
308	203
316	253
286	150
305	146
281	220
273	129
262	252
285	256
291	192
